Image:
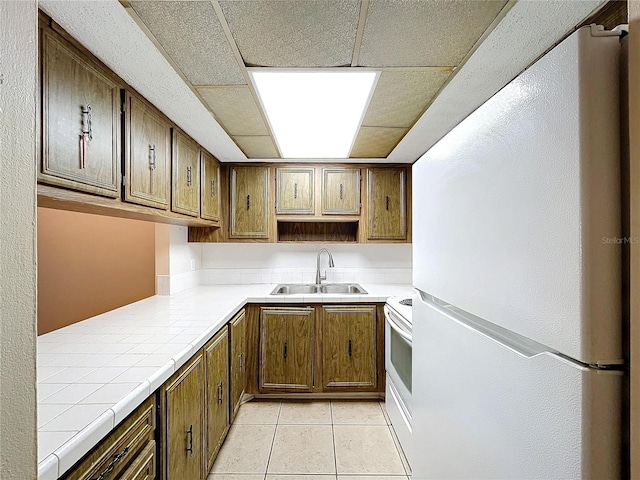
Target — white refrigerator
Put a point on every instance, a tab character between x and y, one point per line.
517	357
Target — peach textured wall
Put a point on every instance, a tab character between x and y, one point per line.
90	264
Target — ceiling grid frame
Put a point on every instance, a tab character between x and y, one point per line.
508	6
363	14
243	68
134	15
364	11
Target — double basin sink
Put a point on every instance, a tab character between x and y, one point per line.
293	288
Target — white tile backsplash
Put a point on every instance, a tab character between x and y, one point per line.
238	276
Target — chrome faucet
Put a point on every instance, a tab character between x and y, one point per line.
319	276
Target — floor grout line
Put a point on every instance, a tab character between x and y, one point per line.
333	439
273	440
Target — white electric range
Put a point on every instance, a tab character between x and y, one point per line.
398	351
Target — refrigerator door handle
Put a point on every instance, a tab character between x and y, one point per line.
518	344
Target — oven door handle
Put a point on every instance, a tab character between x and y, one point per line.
407	337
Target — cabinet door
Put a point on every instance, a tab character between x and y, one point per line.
340	191
217	398
249	197
186	175
184	398
287	349
210	188
349	345
295	191
238	359
147	154
386	195
80	121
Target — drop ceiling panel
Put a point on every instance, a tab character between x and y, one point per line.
376	142
235	108
257	146
400	96
424	33
191	34
318	33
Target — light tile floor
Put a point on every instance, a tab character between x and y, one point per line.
314	440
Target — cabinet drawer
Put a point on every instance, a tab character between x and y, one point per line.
119	449
143	467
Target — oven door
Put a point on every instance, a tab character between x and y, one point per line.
398	345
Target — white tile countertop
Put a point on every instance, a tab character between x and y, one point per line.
94	373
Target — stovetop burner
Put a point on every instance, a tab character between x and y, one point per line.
406	301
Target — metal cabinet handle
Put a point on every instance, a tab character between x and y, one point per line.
112	464
86	134
248	202
241	360
188	176
87	128
190	434
285	350
152	156
387	202
341	191
295	190
350	347
220	392
213	188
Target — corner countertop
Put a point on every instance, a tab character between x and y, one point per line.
94	373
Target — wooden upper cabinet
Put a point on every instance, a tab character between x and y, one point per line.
340	191
249	199
80	120
295	191
238	360
184	433
216	354
387	198
286	349
210	188
147	154
185	196
349	347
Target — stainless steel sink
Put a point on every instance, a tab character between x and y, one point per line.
293	288
342	288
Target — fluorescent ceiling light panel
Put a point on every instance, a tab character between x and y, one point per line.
314	114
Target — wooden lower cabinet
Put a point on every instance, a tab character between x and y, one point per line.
349	343
216	354
183	400
287	349
126	448
238	329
